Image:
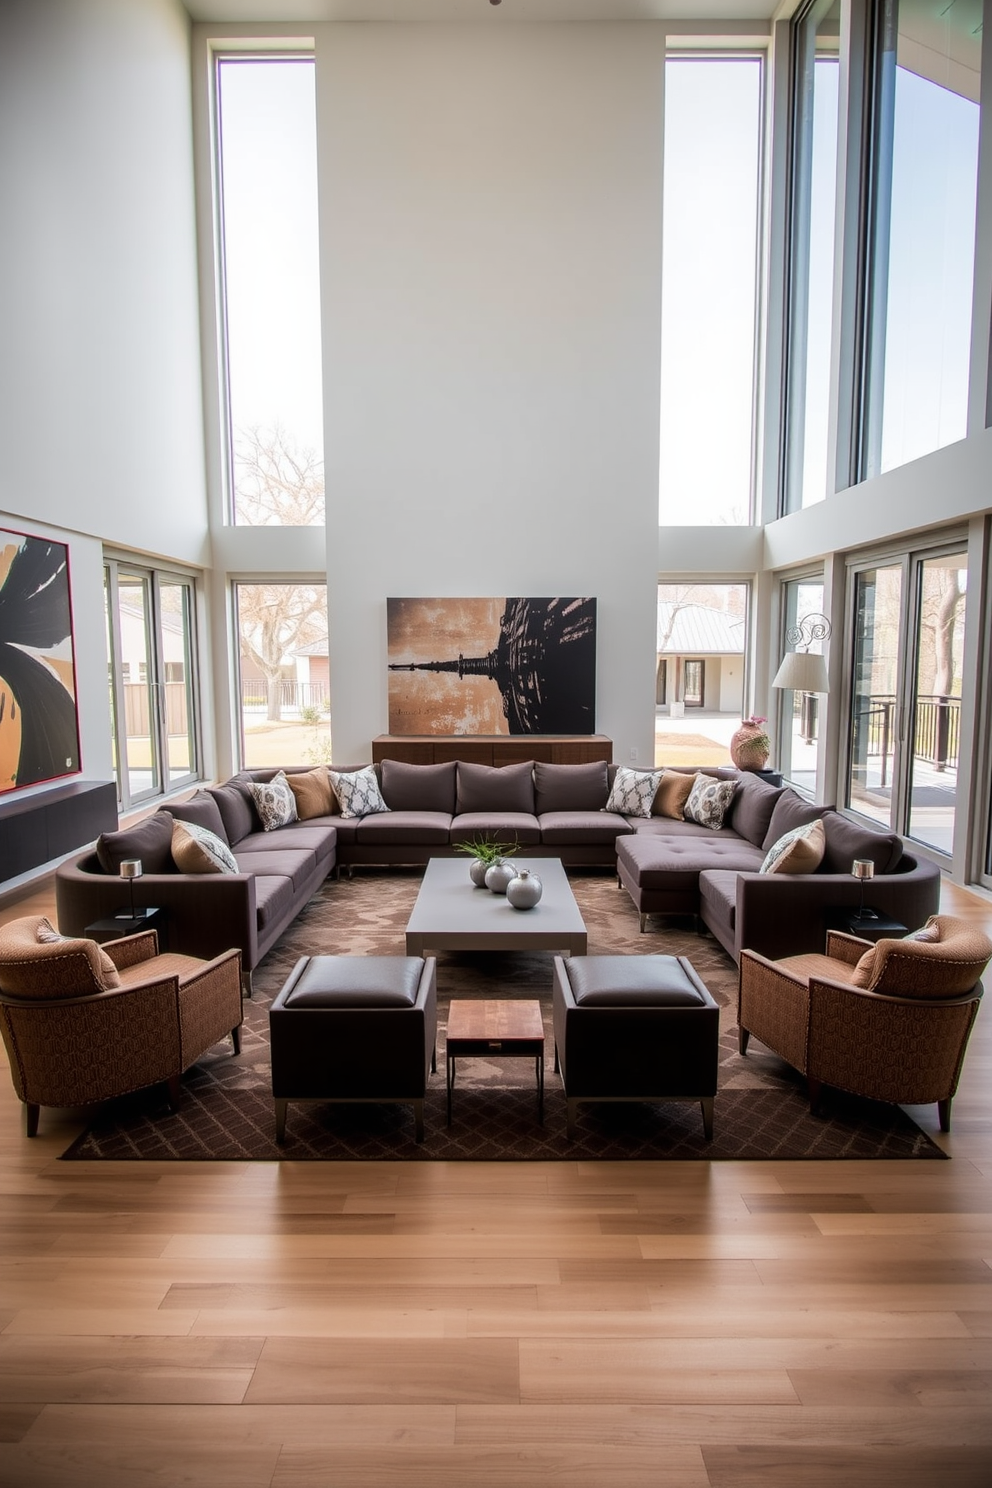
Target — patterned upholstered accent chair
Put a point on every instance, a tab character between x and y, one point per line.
85	1023
889	1021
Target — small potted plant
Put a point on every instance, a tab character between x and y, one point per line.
484	853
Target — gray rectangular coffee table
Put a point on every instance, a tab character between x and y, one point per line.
451	914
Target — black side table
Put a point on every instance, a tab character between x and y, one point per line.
877	928
115	927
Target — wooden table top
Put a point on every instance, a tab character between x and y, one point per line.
496	1019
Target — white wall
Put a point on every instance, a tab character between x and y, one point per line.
490	208
100	400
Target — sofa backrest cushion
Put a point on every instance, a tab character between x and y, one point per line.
202	810
237	809
847	840
495	788
570	787
408	787
751	809
150	840
790	811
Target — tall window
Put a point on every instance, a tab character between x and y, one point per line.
814	181
799	718
283	674
924	163
266	130
699	692
709	288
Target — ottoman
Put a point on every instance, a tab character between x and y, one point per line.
354	1028
634	1028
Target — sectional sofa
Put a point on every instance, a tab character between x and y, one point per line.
668	865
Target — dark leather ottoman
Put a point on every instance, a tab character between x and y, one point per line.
354	1028
634	1028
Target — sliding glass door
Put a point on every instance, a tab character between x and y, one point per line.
150	663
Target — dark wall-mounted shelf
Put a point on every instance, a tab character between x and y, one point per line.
35	829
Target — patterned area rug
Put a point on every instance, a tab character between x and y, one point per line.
227	1113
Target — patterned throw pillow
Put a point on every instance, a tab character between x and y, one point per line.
359	793
196	849
46	934
798	851
633	792
709	801
274	802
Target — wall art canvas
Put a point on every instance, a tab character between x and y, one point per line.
39	732
492	666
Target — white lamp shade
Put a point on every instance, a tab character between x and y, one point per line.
802	671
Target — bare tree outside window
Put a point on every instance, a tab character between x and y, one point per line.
285	698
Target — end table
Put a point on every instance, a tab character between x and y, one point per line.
116	926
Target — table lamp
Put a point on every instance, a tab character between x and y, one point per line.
130	869
863	869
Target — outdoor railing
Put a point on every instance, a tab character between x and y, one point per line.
293	696
936	738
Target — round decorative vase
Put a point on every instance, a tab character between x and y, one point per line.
498	875
749	746
524	890
477	870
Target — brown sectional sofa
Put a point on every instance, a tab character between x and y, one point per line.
668	866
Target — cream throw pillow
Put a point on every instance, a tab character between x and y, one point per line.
197	850
798	851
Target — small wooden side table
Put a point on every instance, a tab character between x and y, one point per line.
509	1029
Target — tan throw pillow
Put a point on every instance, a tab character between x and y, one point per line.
196	850
798	851
312	790
46	934
672	793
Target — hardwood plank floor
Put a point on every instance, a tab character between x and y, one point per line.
725	1325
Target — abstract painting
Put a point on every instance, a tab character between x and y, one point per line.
492	666
39	733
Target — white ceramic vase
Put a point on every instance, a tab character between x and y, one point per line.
499	875
524	891
477	870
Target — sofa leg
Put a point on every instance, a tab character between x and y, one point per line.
173	1083
281	1108
643	922
31	1112
707	1106
246	988
743	1035
434	1060
572	1110
557	1062
418	1119
944	1114
236	1038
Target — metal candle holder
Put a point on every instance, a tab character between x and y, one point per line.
130	869
863	869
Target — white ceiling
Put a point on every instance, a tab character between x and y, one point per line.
474	10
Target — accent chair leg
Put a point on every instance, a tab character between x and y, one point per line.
743	1035
418	1120
31	1112
944	1113
707	1107
815	1088
175	1098
281	1108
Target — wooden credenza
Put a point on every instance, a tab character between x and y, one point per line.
492	749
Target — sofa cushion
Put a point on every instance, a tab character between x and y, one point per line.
201	809
294	866
197	850
791	811
751	809
418	787
847	840
236	808
633	791
798	851
632	981
273	897
494	788
570	787
718	899
150	840
676	863
317	837
593	827
673	791
312	793
358	793
709	801
404	828
496	826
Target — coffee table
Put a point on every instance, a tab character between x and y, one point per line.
451	914
511	1029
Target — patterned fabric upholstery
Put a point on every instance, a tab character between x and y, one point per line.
947	967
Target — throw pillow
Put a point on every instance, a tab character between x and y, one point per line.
46	934
930	934
709	801
633	792
274	802
312	793
197	850
798	851
359	794
672	794
149	840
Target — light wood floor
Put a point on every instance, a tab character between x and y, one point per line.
595	1325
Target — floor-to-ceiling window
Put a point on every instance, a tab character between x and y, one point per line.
799	712
283	673
150	656
710	255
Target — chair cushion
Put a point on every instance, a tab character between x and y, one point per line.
798	851
201	809
358	982
150	840
673	791
632	981
418	787
570	787
312	793
494	788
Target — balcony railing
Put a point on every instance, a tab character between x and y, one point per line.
293	696
936	739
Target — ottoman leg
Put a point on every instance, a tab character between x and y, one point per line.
281	1108
418	1118
707	1105
572	1109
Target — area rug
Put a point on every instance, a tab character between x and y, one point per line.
226	1114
